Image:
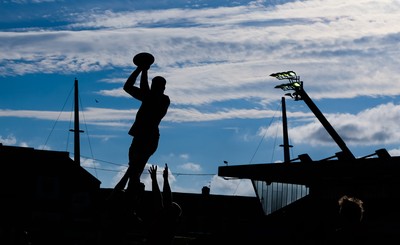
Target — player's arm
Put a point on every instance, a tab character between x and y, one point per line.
144	80
130	82
167	193
157	197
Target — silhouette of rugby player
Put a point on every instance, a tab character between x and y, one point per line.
145	131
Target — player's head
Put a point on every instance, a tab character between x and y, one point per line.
176	210
351	209
158	84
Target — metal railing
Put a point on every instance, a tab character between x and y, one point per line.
274	196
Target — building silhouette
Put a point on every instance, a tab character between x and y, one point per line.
47	198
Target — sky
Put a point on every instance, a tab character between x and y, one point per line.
217	57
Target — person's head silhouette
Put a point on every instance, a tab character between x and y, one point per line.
351	209
158	84
175	210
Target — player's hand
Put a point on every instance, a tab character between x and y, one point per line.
165	172
144	67
153	172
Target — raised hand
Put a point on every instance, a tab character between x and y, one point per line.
165	172
153	172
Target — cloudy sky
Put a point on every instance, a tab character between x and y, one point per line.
217	57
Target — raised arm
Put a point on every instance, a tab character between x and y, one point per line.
130	82
144	81
167	194
157	197
134	91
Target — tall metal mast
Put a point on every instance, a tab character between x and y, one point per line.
285	145
76	130
300	94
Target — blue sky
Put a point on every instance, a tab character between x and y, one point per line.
217	57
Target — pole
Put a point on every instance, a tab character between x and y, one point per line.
286	146
77	153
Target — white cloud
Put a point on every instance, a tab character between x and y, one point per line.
44	147
23	144
115	117
91	163
394	152
184	156
8	140
238	187
193	167
373	126
348	44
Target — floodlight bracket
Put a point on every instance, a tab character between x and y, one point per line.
294	83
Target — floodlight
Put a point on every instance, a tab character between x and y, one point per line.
294	80
284	75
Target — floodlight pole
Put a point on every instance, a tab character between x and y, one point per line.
339	141
286	146
297	85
